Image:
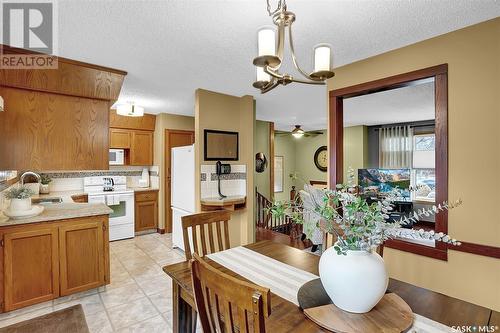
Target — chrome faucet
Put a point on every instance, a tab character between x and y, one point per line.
30	173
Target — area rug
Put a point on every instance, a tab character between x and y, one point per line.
71	319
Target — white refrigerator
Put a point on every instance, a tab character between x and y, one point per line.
182	186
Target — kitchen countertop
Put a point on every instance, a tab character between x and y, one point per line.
229	200
60	211
67	209
143	189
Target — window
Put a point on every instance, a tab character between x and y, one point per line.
424	162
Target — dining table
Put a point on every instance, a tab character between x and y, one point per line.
288	317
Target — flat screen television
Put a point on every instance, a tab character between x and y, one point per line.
376	182
221	145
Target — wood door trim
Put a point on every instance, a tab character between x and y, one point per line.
336	97
166	153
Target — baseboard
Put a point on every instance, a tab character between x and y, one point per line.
160	231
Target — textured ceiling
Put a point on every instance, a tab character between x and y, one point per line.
170	48
413	103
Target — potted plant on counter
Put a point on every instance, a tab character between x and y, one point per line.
20	198
352	273
45	181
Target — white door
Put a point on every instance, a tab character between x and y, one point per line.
183	175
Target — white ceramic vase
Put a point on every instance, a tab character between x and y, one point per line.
17	205
355	282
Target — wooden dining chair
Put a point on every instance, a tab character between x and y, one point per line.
203	225
226	304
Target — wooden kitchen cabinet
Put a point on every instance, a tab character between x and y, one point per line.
81	247
141	148
31	266
43	261
146	210
135	135
119	138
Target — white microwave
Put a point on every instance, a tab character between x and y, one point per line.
116	157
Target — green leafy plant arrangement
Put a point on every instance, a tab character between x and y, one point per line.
356	224
45	179
19	192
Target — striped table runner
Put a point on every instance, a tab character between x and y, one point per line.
285	280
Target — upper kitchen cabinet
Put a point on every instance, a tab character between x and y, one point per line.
119	138
141	149
134	135
57	119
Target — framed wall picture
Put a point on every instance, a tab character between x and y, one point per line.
221	145
279	163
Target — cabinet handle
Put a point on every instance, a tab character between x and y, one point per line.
1	243
103	227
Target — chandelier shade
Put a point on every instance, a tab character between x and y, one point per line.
266	42
271	54
322	58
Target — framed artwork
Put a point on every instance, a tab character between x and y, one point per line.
279	162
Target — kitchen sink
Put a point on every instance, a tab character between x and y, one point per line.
43	201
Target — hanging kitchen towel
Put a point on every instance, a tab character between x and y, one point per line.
112	200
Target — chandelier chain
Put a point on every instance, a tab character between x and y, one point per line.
280	7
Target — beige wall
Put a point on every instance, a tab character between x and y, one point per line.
355	149
166	121
262	145
284	145
473	57
229	113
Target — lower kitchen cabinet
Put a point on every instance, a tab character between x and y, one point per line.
81	248
31	266
146	210
47	260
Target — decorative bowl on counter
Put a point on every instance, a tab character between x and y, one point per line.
23	214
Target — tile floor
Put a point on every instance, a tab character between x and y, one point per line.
139	298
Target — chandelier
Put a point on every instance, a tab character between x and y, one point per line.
270	57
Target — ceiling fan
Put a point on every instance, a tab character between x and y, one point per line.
298	132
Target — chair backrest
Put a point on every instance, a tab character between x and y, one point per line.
227	304
203	225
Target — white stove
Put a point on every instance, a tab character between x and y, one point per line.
112	191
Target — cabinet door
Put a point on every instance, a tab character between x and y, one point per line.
31	266
119	138
146	215
141	150
81	256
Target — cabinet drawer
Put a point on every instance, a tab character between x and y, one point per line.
146	196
